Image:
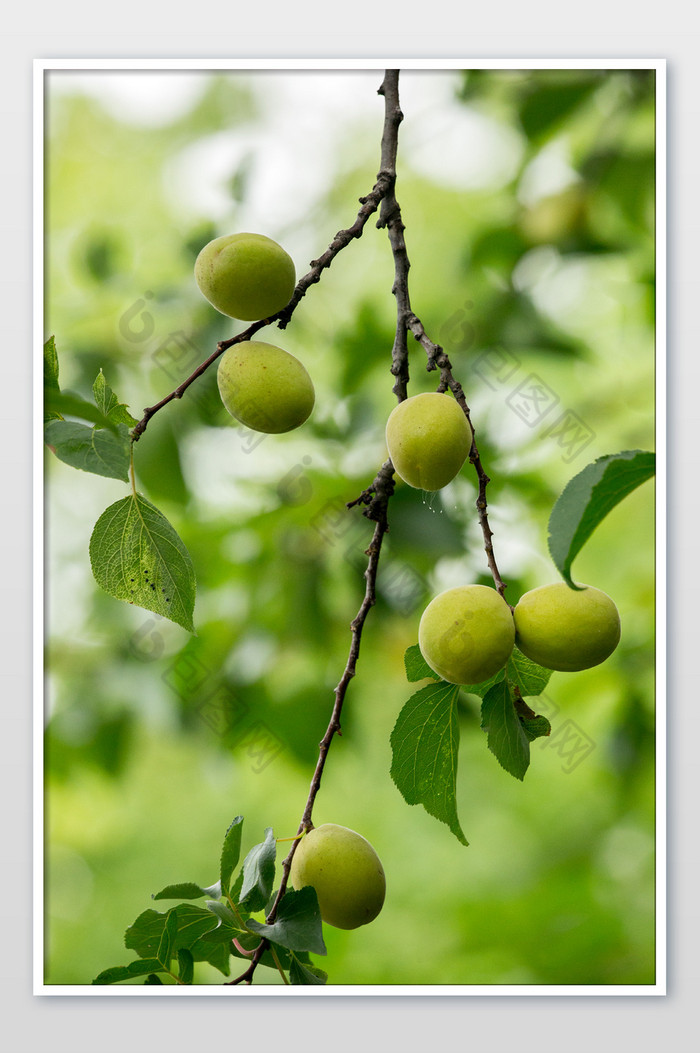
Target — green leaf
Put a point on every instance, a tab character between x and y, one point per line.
588	497
301	973
90	449
51	385
530	678
425	744
51	365
185	965
165	947
138	557
153	979
259	874
507	739
61	403
223	912
108	403
146	933
128	972
159	963
298	923
416	666
230	853
218	955
186	890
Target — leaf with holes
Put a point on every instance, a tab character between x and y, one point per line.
137	556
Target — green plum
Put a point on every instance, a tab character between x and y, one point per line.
264	387
246	276
346	873
466	634
566	629
428	438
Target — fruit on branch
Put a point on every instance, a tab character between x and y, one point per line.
246	276
566	629
428	438
466	634
264	387
346	873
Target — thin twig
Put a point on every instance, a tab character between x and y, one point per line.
376	498
390	217
438	359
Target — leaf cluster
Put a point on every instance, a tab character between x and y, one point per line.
170	942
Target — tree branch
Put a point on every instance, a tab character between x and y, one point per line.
438	359
370	204
376	496
390	217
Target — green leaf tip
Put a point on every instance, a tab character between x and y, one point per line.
588	498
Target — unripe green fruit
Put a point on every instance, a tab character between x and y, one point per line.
346	873
264	387
566	629
428	438
247	276
466	634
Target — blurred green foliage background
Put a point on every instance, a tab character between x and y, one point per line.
528	198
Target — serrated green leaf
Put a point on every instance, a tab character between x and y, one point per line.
185	890
64	403
298	925
218	955
51	384
51	365
185	966
535	727
530	678
588	498
108	403
127	972
230	853
145	935
425	745
416	666
259	874
137	556
90	449
301	973
506	736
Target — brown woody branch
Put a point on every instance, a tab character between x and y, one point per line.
438	359
375	497
370	204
